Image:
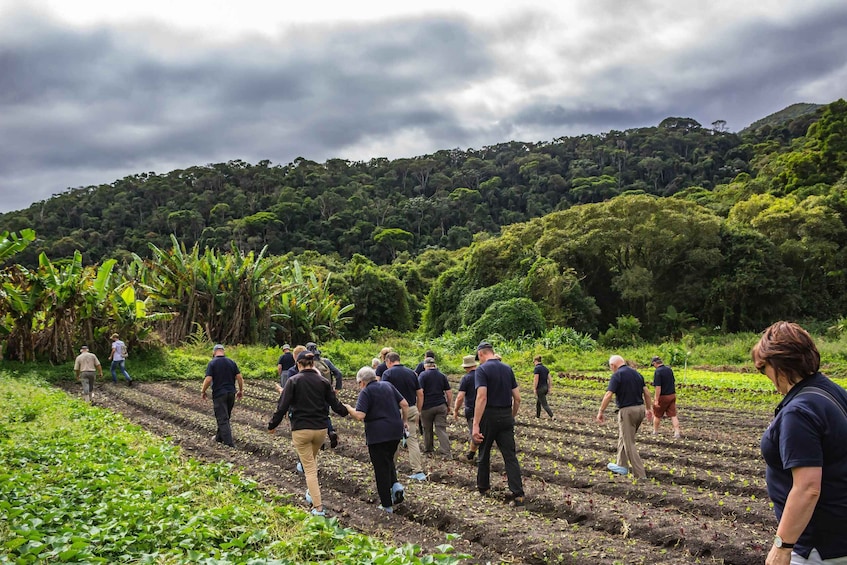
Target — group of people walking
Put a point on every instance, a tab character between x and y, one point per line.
805	446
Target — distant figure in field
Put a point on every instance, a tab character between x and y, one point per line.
286	360
467	397
437	398
664	397
118	359
86	366
222	375
406	382
383	410
542	386
380	369
420	368
633	400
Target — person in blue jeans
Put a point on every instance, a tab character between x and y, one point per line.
118	359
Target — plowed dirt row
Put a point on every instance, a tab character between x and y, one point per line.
704	500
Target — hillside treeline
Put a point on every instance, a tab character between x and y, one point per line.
769	243
381	208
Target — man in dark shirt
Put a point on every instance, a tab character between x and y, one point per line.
497	403
286	360
467	397
633	400
406	382
437	397
222	374
664	398
541	384
420	368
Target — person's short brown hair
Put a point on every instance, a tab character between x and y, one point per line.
392	357
789	349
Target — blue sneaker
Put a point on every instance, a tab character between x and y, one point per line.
398	493
617	469
418	476
299	467
308	498
388	509
316	512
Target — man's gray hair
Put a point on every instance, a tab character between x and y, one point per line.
365	375
616	361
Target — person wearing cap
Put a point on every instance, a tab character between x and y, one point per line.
437	399
304	400
541	384
664	397
286	361
406	382
382	367
118	359
467	397
384	411
328	370
497	403
420	368
632	398
222	374
86	366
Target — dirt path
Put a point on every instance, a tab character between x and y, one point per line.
704	500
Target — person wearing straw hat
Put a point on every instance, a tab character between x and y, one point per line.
467	397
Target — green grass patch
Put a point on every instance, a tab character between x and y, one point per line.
81	484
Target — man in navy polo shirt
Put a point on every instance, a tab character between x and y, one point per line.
497	404
406	382
633	400
222	374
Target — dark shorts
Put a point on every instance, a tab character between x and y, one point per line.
667	406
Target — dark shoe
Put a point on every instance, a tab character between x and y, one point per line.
518	501
470	455
129	382
333	439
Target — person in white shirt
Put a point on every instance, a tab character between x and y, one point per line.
118	359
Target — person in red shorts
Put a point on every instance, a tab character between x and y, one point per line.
664	401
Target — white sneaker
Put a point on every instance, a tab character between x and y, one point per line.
617	469
308	498
418	476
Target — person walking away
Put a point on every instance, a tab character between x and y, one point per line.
118	359
633	401
406	382
497	403
467	397
542	386
805	449
329	372
420	368
286	360
437	398
304	399
664	396
384	411
222	375
86	367
382	367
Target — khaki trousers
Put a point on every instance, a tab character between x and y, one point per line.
308	444
413	441
629	420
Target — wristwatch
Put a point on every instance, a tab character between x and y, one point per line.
777	542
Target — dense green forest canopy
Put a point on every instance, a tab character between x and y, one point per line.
381	208
647	233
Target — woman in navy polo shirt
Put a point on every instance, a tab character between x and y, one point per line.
805	449
383	409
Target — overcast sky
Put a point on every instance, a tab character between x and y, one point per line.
92	91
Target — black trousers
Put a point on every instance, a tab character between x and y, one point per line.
382	459
541	402
223	409
498	425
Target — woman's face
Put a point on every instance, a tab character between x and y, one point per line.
766	369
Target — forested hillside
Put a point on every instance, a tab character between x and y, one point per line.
381	207
648	233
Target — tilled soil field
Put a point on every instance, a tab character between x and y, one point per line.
704	500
